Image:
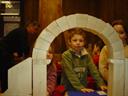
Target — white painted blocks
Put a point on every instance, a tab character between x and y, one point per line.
81	20
86	21
126	77
54	28
42	44
39	54
115	42
63	23
117	53
108	30
39	78
20	79
47	36
96	24
71	19
39	72
117	61
116	78
77	20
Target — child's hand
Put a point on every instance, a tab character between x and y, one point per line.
103	87
86	90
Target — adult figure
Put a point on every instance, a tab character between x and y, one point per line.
119	26
15	44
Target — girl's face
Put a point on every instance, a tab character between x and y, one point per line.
120	30
77	42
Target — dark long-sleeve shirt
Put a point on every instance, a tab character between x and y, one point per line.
16	41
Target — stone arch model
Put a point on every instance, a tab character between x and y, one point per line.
38	62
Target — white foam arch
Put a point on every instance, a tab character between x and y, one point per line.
87	22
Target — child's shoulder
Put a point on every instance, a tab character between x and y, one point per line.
66	53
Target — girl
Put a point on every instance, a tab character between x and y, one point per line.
51	73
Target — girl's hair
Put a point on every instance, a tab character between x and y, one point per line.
78	31
120	22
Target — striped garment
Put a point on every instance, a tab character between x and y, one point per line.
51	78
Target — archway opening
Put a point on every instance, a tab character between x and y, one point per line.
88	23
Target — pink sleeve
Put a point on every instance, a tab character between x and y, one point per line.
51	78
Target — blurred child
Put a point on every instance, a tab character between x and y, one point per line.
76	63
51	74
96	54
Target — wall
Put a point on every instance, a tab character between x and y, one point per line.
107	10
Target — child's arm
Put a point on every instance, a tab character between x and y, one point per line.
95	73
103	87
103	62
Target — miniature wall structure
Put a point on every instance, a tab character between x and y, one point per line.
126	77
117	78
20	79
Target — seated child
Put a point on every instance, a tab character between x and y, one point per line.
51	74
76	63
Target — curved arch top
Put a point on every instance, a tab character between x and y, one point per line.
85	21
92	24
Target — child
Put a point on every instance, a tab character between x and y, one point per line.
76	63
51	74
96	54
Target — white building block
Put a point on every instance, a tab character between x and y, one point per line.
118	54
95	24
81	20
20	79
63	23
116	49
39	54
126	77
54	28
108	30
42	44
71	21
47	36
116	37
39	78
116	78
